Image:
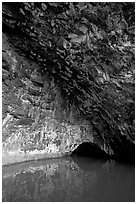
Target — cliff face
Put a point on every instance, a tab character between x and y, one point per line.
67	83
32	126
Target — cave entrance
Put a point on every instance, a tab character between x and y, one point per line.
87	149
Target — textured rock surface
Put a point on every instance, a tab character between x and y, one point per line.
67	65
50	139
32	126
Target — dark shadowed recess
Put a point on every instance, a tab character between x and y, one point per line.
90	150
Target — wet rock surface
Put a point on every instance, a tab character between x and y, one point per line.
64	84
31	128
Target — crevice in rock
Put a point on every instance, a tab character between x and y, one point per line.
87	149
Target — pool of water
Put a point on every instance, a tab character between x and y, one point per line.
77	179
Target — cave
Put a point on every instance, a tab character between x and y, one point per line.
87	149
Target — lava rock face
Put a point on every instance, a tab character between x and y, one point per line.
67	78
31	127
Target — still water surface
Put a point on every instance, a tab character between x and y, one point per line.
75	179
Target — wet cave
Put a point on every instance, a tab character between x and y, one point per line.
87	149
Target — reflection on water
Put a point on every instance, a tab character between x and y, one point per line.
68	179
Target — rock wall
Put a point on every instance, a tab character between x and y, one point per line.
34	125
50	139
79	71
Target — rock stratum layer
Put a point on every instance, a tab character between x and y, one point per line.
67	83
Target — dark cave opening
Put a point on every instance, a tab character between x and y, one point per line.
87	149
